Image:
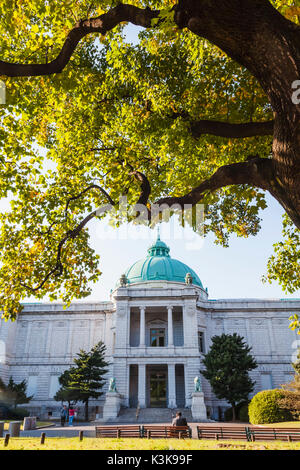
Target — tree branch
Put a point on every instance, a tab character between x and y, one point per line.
145	187
71	234
232	131
92	186
255	172
101	24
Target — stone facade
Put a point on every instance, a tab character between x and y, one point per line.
45	338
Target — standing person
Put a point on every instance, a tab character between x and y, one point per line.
179	420
63	415
71	415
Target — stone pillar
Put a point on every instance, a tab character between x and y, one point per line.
29	423
142	386
198	407
142	327
14	428
171	386
112	406
170	327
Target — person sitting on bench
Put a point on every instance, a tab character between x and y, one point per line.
179	420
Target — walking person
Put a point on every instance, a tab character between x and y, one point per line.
71	415
63	415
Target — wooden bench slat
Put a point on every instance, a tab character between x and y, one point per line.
144	431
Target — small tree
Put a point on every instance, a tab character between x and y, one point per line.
14	393
3	392
227	365
64	393
86	380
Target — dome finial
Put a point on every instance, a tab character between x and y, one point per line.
158	234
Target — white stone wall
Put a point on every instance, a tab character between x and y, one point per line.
264	326
44	340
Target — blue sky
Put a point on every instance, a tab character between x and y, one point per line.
233	272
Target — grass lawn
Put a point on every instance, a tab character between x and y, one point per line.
286	424
61	443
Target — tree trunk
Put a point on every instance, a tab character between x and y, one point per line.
87	410
233	412
258	37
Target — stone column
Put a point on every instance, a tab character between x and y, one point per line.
142	386
171	386
142	327
170	327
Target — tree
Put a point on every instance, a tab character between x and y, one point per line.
64	393
204	109
227	365
14	393
85	379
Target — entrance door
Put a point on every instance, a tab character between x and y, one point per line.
158	390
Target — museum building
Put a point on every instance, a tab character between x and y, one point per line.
157	325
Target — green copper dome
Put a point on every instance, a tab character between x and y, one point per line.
158	265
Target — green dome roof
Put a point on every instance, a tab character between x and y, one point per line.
158	265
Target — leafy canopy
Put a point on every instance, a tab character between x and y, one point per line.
77	140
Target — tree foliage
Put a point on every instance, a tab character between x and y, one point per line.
64	393
227	364
14	393
265	407
174	118
86	379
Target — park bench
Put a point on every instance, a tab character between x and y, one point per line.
167	432
118	431
223	432
271	434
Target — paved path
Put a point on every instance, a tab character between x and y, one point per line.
89	429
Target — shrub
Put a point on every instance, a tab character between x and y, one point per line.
17	413
264	408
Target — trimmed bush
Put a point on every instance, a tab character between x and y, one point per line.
264	408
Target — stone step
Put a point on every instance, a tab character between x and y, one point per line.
150	415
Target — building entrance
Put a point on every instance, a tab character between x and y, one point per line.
158	390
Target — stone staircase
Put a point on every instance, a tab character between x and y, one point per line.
150	415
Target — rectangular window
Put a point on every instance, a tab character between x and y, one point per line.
201	341
157	337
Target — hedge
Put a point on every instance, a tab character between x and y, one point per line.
264	408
